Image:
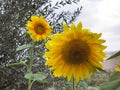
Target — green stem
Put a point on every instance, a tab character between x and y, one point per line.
30	64
31	57
73	84
30	85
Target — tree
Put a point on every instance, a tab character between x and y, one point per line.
13	17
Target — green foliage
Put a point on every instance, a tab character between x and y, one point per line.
114	55
23	47
115	76
29	76
18	63
84	84
114	79
102	70
51	88
39	76
113	83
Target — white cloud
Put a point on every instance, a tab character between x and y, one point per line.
103	16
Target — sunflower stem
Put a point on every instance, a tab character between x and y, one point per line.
30	64
73	84
31	57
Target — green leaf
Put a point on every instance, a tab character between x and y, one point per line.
115	76
23	47
29	76
100	69
117	88
113	85
114	55
39	76
18	63
51	88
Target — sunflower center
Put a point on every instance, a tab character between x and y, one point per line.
40	29
75	51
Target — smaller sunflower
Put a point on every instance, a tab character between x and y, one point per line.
118	67
38	28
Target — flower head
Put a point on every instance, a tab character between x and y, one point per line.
38	28
75	52
118	67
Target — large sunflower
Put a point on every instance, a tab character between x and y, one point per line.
75	52
38	28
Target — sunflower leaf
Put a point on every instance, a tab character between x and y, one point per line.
115	76
23	47
39	76
100	69
18	63
114	55
51	88
113	85
29	76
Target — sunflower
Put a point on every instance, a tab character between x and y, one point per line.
118	67
75	52
38	28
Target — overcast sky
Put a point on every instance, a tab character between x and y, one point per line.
101	16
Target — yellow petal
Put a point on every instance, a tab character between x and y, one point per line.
65	26
73	27
79	26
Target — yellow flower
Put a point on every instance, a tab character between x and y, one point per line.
75	52
38	28
118	67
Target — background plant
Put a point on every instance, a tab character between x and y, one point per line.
13	17
114	79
